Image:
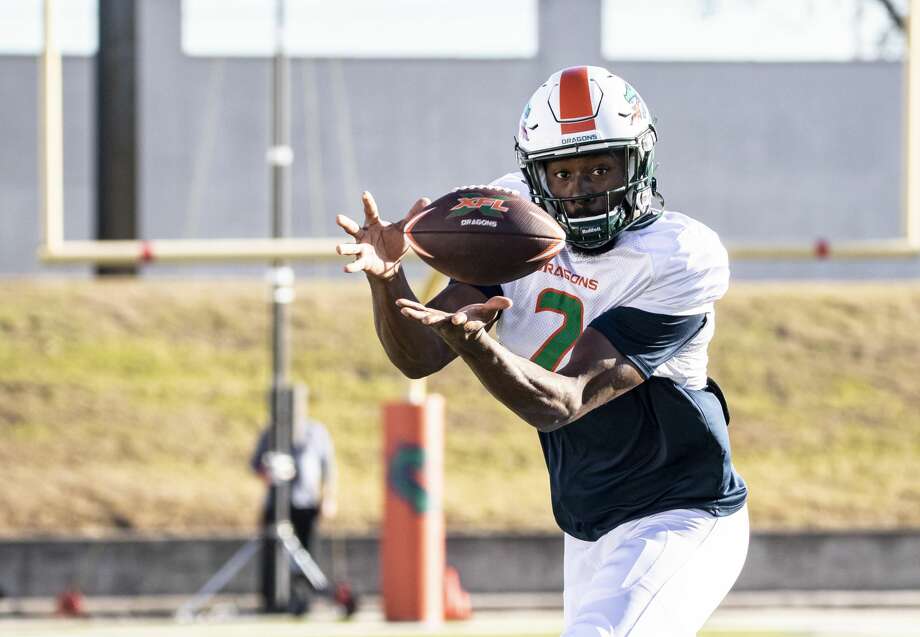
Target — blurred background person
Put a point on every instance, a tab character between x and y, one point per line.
312	493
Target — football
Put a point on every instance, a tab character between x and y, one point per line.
484	235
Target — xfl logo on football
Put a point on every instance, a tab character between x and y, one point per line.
489	206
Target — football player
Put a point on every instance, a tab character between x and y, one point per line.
604	352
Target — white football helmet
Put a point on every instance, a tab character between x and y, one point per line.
584	110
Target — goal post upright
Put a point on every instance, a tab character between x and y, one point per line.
51	134
911	205
908	244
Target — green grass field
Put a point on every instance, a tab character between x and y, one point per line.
134	405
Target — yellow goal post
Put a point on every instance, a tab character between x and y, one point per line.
54	248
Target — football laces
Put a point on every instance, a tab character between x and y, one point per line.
483	186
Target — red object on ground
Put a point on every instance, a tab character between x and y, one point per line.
457	604
822	249
70	603
346	599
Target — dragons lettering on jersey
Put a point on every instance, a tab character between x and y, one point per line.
568	275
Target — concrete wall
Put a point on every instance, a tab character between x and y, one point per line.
758	151
882	561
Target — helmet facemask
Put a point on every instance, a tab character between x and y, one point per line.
623	206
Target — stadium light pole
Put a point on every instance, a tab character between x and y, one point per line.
280	156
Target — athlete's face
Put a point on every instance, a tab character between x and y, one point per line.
586	175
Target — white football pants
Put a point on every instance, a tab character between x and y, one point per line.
658	576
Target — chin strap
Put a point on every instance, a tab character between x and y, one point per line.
655	193
644	221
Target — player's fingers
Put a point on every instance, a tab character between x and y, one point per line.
371	215
418	311
418	206
473	326
346	249
356	266
414	313
497	303
360	251
434	319
412	304
348	225
459	318
423	316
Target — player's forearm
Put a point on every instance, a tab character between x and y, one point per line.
543	399
412	347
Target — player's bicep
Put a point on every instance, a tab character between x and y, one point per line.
622	348
646	339
603	370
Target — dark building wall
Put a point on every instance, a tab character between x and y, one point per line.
758	151
859	561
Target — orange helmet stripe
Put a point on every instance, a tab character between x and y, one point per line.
575	100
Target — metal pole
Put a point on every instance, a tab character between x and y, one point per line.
116	127
51	157
912	128
220	579
280	157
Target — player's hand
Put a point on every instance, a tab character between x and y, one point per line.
467	323
379	245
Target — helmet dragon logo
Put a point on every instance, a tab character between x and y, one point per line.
524	117
638	107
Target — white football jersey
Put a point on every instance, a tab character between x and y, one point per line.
675	266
